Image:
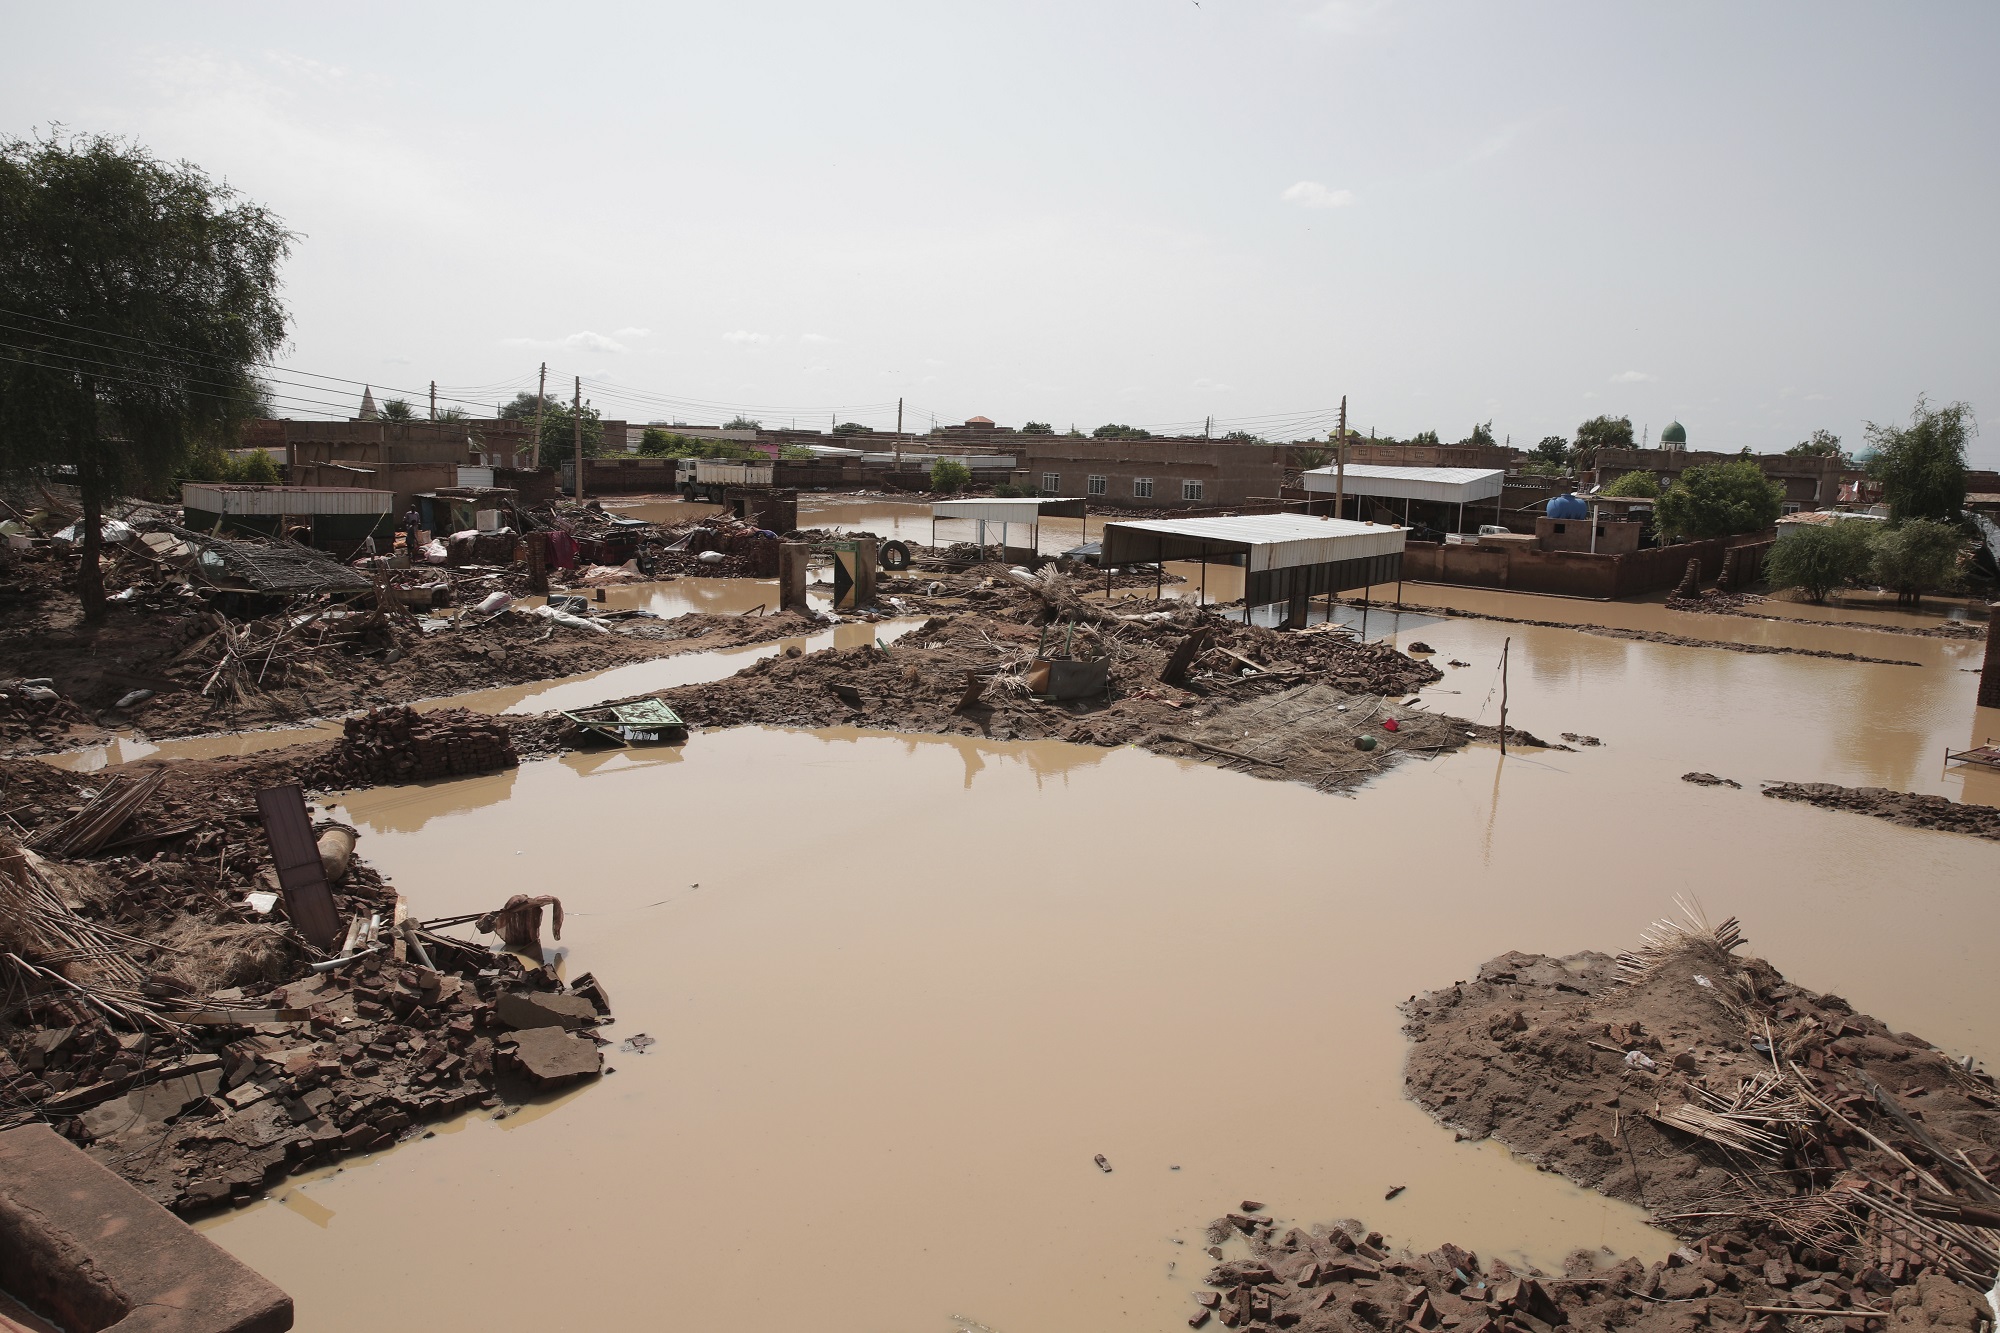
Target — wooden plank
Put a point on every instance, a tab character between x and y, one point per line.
308	898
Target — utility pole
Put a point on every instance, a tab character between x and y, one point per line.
1505	648
434	400
541	396
899	435
1207	426
1340	463
576	418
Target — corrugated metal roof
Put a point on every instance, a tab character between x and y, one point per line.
1452	485
1272	541
271	501
1027	510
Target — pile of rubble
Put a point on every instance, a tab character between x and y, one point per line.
399	744
166	1015
1820	1165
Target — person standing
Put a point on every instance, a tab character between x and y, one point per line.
413	522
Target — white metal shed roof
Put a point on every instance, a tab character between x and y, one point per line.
1452	485
1272	541
1027	510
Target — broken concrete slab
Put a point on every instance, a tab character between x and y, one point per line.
548	1057
537	1009
77	1241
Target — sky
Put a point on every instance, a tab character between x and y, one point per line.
1760	220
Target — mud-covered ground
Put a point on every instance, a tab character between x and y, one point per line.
1826	1173
1640	635
1752	607
1907	808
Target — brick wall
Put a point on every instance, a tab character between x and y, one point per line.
1228	474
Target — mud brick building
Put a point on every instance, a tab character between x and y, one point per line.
1161	474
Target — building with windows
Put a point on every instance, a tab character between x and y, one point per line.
1169	474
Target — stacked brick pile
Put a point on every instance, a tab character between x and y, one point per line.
387	745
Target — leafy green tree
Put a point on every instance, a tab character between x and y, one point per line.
853	428
253	467
1601	432
522	408
1821	557
1244	437
1424	437
1917	556
949	476
1552	449
558	432
451	414
1481	434
398	409
146	296
1038	428
1922	466
743	423
1820	444
1111	430
797	453
1719	500
1634	485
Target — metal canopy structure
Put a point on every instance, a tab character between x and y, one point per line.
1433	485
1029	510
1286	557
1445	485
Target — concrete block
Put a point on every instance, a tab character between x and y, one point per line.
80	1243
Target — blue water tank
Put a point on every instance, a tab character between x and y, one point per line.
1568	506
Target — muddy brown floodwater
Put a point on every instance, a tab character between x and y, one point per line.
905	988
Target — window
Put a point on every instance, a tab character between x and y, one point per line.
1142	488
1792	508
1562	527
1097	485
1190	490
1052	483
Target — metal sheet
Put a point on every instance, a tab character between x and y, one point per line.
1008	511
272	501
308	899
1270	541
1449	485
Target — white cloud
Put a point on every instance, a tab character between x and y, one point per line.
743	337
585	341
1633	377
1311	194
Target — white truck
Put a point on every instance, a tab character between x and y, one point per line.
707	478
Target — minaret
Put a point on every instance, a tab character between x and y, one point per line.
368	412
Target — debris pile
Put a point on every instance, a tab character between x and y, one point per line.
1820	1164
1907	808
399	744
164	1014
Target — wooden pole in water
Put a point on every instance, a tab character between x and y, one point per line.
1989	671
1505	648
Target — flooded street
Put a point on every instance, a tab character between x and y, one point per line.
904	988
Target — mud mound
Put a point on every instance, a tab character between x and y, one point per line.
1907	808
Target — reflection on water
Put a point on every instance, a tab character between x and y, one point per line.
891	1008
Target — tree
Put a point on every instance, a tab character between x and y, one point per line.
252	467
1552	449
1719	500
450	414
148	295
1917	556
1038	428
743	423
398	409
1820	444
1821	557
853	428
1424	437
1111	430
559	432
1634	484
1244	437
1482	433
1922	466
948	476
523	407
1601	433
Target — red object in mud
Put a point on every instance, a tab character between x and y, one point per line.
1389	724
